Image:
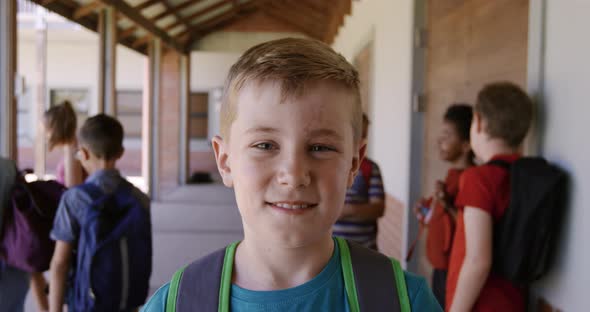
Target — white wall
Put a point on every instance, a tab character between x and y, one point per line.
209	69
389	24
566	123
72	62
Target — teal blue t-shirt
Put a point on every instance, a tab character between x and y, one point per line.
325	292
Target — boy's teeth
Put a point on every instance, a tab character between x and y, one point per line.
288	206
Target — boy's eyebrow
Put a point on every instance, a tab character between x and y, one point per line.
326	133
313	133
262	129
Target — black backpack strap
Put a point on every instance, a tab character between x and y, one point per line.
7	181
378	288
197	285
500	163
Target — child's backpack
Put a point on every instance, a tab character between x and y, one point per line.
114	255
371	281
27	222
526	236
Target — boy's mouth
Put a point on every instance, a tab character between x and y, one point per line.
292	205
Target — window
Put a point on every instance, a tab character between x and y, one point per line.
78	97
129	105
198	115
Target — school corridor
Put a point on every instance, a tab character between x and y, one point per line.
159	67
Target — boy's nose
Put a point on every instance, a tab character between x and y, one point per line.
294	173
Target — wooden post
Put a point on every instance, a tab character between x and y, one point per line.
107	29
8	147
41	92
185	90
149	133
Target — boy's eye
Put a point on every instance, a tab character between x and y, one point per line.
264	146
321	148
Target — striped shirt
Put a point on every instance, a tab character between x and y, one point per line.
367	186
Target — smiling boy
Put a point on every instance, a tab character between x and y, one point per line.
290	146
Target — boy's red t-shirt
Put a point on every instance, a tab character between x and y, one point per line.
486	187
441	226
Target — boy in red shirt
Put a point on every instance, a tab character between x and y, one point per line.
502	117
438	213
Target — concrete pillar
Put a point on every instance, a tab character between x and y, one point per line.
169	123
184	118
107	30
150	119
8	108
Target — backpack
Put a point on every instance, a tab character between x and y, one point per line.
114	254
27	222
370	278
525	238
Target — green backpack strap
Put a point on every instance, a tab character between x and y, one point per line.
370	288
173	290
402	289
205	283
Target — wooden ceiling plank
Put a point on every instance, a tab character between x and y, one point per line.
134	15
200	13
146	4
174	10
67	11
296	21
87	9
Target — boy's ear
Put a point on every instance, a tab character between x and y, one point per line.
82	153
357	159
222	160
477	122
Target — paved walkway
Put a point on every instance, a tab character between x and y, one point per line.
188	223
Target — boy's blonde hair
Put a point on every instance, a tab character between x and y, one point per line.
294	63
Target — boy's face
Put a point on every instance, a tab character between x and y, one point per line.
290	162
450	145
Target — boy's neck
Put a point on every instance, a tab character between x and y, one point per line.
260	266
99	165
494	147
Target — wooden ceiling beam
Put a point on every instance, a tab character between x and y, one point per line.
89	22
288	17
170	10
134	15
127	32
212	24
336	20
174	10
87	9
141	41
146	4
200	13
300	7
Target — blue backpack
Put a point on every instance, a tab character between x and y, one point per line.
114	255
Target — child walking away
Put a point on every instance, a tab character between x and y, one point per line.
290	146
438	213
102	231
502	116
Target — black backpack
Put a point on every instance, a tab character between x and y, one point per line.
371	279
525	238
